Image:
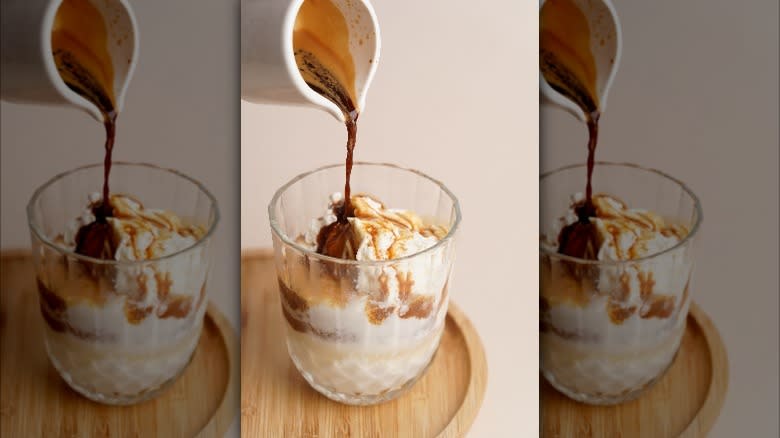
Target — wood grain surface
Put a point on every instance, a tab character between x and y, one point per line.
276	401
36	402
684	403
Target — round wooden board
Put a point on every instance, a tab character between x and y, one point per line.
35	401
684	403
277	401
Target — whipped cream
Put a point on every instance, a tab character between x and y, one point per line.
623	233
138	233
629	234
377	232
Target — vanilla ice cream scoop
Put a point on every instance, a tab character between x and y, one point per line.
616	232
628	234
136	234
143	234
385	234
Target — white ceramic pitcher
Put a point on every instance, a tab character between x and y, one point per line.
27	65
269	73
604	26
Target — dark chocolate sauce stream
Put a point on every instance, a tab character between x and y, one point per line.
351	124
110	124
332	238
593	138
578	239
96	238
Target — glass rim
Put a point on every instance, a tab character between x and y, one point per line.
694	229
214	220
289	242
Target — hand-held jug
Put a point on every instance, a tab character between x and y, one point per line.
269	72
598	22
30	29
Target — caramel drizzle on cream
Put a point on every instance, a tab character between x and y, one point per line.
619	220
93	287
614	216
131	216
371	221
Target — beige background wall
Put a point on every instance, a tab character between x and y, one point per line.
181	111
455	95
697	97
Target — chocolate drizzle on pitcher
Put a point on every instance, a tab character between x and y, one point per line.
79	49
567	65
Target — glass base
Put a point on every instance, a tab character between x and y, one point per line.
608	399
119	399
364	399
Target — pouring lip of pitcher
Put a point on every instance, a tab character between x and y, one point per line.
558	99
59	84
288	27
